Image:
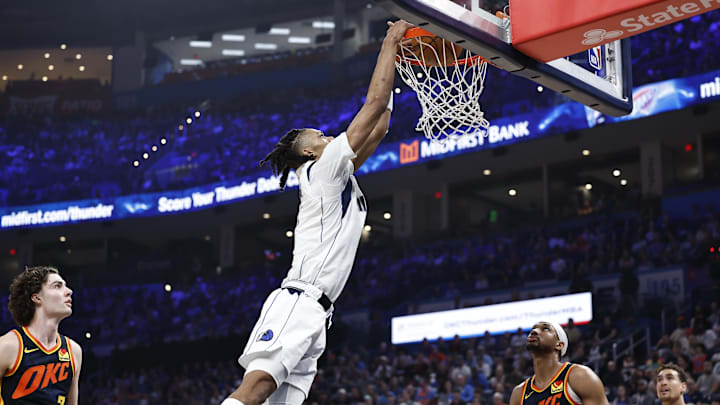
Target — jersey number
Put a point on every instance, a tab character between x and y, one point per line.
61	399
362	204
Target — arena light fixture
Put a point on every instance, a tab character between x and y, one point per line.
109	57
188	120
20	66
200	44
233	37
154	148
265	46
387	215
4	77
81	68
323	24
616	173
51	67
623	182
191	62
88	335
233	52
586	152
266	215
63	46
163	141
512	192
540	89
197	114
588	186
69	251
168	287
397	90
145	155
419	75
299	40
78	56
279	31
367	228
136	163
181	127
46	55
62	238
487	172
289	234
44	78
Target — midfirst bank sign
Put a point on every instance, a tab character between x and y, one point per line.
496	134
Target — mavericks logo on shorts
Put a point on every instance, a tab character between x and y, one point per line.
267	336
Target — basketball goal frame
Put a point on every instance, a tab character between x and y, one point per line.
490	37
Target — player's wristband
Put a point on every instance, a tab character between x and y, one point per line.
390	103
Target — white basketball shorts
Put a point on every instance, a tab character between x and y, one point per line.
287	340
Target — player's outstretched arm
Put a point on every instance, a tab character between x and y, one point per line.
77	357
587	385
378	95
372	142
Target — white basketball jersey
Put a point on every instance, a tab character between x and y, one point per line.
330	219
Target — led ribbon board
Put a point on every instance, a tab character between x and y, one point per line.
499	318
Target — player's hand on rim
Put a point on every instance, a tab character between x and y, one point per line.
396	31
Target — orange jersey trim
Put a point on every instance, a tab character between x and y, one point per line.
18	359
532	382
72	356
565	387
40	345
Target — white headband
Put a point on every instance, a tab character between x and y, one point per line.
560	332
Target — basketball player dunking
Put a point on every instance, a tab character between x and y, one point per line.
38	365
280	357
556	383
671	384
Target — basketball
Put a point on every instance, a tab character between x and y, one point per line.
432	50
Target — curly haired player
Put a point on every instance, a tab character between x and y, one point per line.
39	365
280	358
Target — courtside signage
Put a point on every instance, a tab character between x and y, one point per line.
500	318
596	23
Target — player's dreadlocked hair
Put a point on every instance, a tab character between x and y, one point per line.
284	157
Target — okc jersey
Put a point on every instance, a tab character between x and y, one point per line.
39	375
330	219
557	392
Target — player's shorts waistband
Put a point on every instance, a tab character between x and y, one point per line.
310	290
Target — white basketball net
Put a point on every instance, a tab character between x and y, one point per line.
449	95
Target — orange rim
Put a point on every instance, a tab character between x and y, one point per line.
415	32
456	63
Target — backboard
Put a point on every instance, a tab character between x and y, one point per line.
599	77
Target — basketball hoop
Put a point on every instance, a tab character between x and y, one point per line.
448	87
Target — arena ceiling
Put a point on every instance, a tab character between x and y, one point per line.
39	23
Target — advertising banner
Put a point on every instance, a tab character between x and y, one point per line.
496	319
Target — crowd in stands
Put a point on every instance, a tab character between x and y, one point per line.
391	277
391	280
62	159
472	371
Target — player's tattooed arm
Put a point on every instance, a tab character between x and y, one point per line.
587	385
